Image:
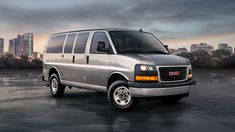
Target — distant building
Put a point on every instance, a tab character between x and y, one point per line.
182	50
223	46
174	51
202	46
194	48
12	47
209	49
6	53
178	51
27	44
1	46
22	45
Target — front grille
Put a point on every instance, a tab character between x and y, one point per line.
173	73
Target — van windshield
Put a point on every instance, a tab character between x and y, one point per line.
134	42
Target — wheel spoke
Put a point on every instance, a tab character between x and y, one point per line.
122	96
54	85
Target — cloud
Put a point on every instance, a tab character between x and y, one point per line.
169	19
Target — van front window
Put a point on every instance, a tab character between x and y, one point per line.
132	42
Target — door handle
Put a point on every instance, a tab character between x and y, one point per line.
62	56
73	58
87	59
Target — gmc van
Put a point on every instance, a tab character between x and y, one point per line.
126	64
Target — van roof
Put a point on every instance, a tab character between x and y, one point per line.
98	29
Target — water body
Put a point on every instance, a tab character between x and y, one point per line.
25	105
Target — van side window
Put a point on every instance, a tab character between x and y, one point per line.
99	37
81	41
69	43
55	44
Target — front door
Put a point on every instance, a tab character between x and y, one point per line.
97	63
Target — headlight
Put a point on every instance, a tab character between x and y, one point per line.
146	68
145	73
140	67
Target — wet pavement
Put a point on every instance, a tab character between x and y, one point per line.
25	105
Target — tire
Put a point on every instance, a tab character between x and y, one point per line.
120	98
56	88
171	100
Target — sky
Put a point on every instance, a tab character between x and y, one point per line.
177	23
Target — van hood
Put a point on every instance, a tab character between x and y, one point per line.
160	59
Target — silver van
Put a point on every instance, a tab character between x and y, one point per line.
126	64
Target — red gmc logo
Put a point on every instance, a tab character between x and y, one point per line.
174	73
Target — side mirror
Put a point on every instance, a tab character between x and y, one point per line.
166	46
101	47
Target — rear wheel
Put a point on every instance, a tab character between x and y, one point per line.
120	97
56	88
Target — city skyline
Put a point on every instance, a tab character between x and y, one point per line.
21	45
6	46
177	23
203	46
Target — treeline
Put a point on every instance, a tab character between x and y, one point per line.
8	61
222	59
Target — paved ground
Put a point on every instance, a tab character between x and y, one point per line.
25	105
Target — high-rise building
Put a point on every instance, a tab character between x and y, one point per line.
22	45
12	49
223	46
27	44
1	46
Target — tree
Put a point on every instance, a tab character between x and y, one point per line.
220	58
201	59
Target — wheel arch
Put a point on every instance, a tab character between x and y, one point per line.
114	76
52	70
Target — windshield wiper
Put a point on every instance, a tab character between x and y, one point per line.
156	52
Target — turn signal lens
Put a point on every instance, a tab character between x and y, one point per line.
146	78
190	75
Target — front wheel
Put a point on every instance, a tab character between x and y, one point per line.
120	97
56	88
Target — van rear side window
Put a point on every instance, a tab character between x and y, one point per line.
81	43
55	44
69	43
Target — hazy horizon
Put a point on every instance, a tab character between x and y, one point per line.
177	23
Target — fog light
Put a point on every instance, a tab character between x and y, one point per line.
146	78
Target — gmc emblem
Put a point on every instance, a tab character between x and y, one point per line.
174	73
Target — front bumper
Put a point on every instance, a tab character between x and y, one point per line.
160	89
